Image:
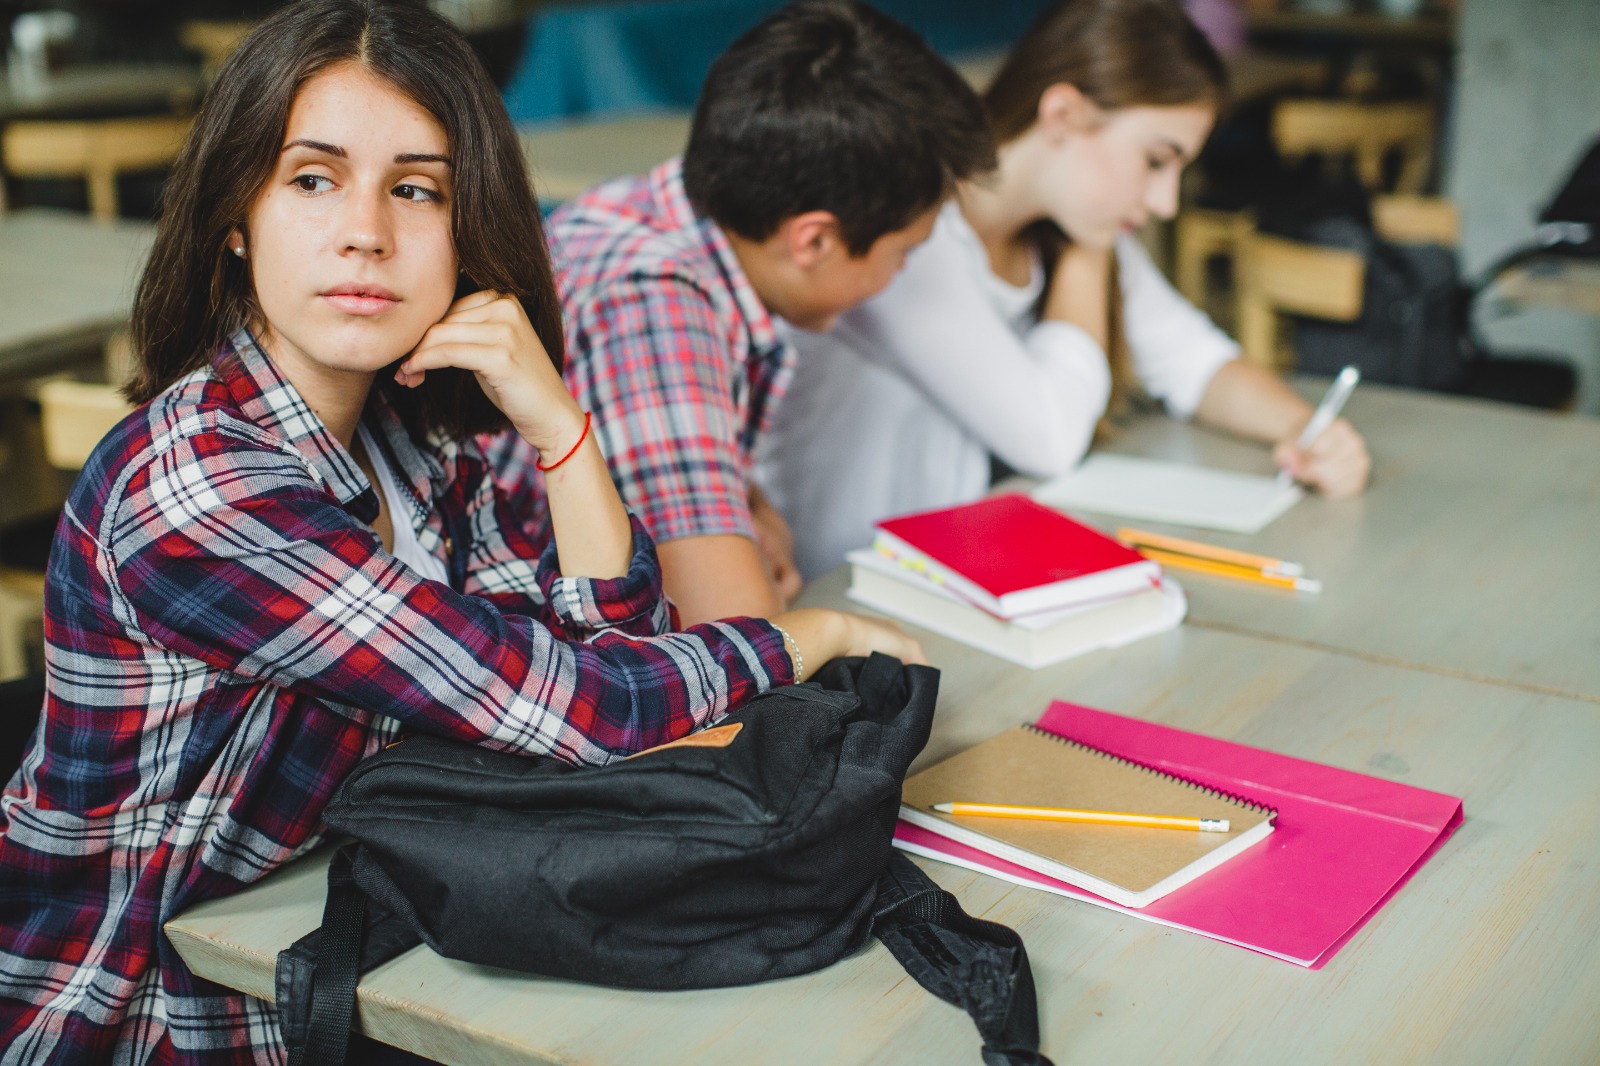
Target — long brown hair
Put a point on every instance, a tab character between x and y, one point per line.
1118	53
193	295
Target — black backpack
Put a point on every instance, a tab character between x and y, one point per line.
1409	329
755	850
1416	327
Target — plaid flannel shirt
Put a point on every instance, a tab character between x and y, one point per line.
226	637
671	349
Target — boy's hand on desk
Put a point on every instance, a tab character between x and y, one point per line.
776	545
1336	464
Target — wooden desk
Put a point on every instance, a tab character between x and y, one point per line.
1468	554
65	283
1554	281
1362	26
102	90
1465	556
569	157
573	156
1485	957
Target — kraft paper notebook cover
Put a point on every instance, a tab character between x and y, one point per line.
1028	766
1344	844
1011	556
1181	493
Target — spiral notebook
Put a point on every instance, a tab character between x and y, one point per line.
1028	766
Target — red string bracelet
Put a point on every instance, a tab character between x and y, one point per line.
587	415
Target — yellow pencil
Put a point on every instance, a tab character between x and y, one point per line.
1238	573
1143	538
1056	814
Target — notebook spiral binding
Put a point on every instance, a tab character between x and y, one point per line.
1219	793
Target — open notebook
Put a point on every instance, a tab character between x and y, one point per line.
1180	493
1028	766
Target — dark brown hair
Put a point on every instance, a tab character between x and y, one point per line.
831	105
194	294
1118	53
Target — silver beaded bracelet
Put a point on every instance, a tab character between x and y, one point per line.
794	652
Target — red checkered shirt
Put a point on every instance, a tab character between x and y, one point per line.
671	349
226	637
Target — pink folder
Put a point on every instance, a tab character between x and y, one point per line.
1345	842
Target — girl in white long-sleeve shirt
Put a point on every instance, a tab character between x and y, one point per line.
1031	310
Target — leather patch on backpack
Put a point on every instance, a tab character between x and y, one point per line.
718	736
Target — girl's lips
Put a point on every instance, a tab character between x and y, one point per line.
360	303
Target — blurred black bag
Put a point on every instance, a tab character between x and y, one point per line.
754	850
1570	224
1415	327
1408	332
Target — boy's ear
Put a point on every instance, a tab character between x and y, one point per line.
1064	110
811	238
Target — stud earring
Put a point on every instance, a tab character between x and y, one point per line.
238	250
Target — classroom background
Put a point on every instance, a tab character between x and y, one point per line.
1458	121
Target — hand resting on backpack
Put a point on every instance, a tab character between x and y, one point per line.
823	635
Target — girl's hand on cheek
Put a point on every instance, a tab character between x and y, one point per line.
489	334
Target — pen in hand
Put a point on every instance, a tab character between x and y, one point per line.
1325	413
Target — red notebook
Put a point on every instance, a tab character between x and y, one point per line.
1012	556
1344	843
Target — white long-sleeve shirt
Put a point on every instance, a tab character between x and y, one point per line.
900	405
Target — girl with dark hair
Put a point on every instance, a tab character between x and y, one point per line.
292	549
1032	311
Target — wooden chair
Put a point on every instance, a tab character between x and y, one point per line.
96	150
1367	133
1276	277
1408	219
1199	236
215	40
74	415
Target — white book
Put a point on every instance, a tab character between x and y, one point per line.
1035	641
1179	493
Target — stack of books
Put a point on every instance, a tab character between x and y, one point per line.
1010	576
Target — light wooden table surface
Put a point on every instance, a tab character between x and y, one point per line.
1562	283
1487	956
102	89
65	283
573	156
1471	552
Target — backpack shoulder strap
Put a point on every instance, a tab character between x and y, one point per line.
981	967
317	975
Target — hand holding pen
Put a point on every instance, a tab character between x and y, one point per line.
1329	454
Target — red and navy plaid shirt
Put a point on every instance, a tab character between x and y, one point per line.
227	637
671	349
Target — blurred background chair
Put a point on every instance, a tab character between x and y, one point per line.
95	150
1386	147
1278	277
20	701
1391	144
215	40
74	415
